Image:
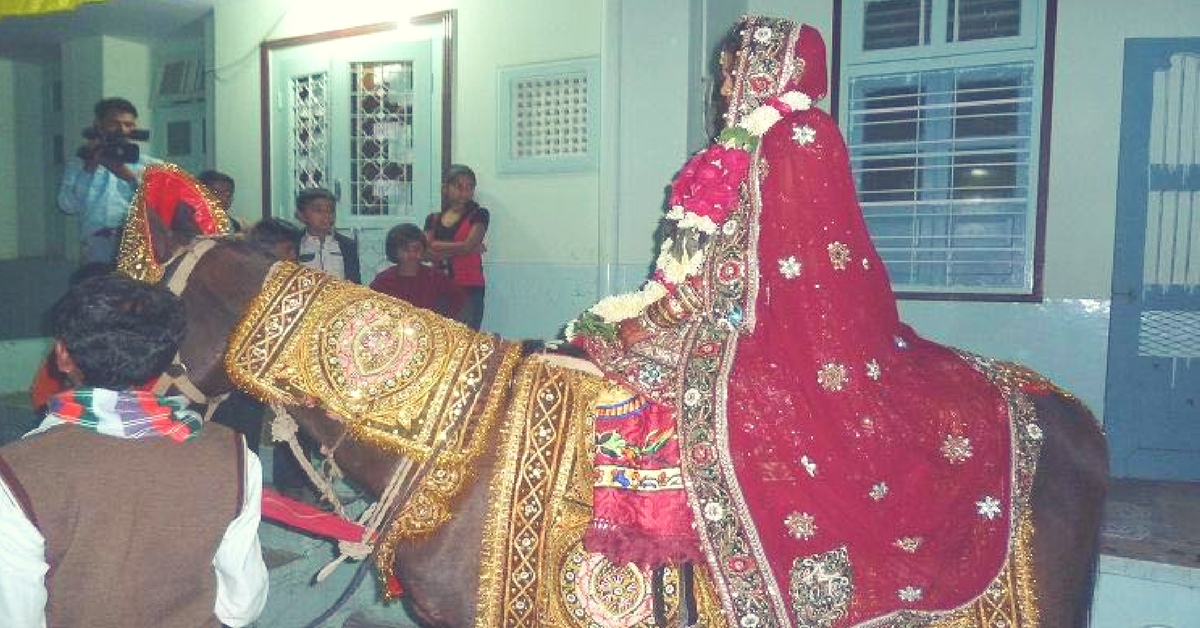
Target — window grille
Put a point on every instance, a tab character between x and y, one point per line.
942	121
310	125
381	138
549	117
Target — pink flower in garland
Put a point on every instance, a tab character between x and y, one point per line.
708	185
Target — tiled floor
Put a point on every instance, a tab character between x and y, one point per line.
1153	521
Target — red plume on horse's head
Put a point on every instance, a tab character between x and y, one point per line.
169	209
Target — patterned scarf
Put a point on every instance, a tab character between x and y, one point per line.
130	414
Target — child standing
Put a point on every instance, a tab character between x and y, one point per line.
411	281
456	238
320	246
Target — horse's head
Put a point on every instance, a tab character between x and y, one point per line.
169	210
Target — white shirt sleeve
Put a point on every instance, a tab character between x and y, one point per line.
22	566
242	579
73	192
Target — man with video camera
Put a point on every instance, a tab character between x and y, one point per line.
99	185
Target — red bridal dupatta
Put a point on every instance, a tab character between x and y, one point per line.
840	469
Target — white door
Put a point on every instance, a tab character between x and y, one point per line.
356	116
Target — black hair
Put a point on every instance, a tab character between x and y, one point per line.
120	332
108	105
401	236
458	171
312	194
267	233
89	270
208	177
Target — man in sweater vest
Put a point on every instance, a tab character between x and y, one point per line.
122	508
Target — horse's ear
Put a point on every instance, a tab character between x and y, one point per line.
169	209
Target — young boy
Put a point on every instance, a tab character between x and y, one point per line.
320	246
411	281
143	515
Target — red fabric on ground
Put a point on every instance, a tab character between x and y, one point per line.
279	508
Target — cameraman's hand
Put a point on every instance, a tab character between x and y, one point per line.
121	169
89	153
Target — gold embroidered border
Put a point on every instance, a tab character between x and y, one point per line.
543	453
401	375
135	252
539	506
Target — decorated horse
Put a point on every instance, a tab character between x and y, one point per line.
754	439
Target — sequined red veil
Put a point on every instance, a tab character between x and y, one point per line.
841	470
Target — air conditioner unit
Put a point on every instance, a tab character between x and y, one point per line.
179	80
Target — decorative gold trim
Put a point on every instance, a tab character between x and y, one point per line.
540	504
543	454
135	253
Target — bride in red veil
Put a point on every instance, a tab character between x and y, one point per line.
835	469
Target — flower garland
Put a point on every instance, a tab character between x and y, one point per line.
703	195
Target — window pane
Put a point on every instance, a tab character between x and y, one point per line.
888	180
310	149
941	159
990	106
381	141
890	113
179	138
983	19
895	24
992	176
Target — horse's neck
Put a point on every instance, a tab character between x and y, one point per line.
218	289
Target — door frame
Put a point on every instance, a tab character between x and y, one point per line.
449	25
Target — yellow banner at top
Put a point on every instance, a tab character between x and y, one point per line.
38	7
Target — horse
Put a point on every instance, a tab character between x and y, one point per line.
441	570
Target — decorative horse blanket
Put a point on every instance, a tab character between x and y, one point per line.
403	379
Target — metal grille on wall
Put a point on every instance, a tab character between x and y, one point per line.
381	142
310	137
548	117
1170	326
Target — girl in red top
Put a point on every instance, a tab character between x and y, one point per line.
455	236
410	281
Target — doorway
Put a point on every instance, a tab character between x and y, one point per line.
1152	396
357	114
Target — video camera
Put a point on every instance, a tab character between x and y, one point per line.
113	146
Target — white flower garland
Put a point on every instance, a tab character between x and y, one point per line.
618	307
688	220
677	269
798	101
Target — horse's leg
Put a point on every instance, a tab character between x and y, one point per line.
440	574
1067	505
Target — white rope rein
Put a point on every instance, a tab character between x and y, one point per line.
400	484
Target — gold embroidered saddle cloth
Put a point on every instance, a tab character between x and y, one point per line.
404	379
536	574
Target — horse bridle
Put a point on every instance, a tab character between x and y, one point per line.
179	270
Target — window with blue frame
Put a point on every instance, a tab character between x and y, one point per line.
942	106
